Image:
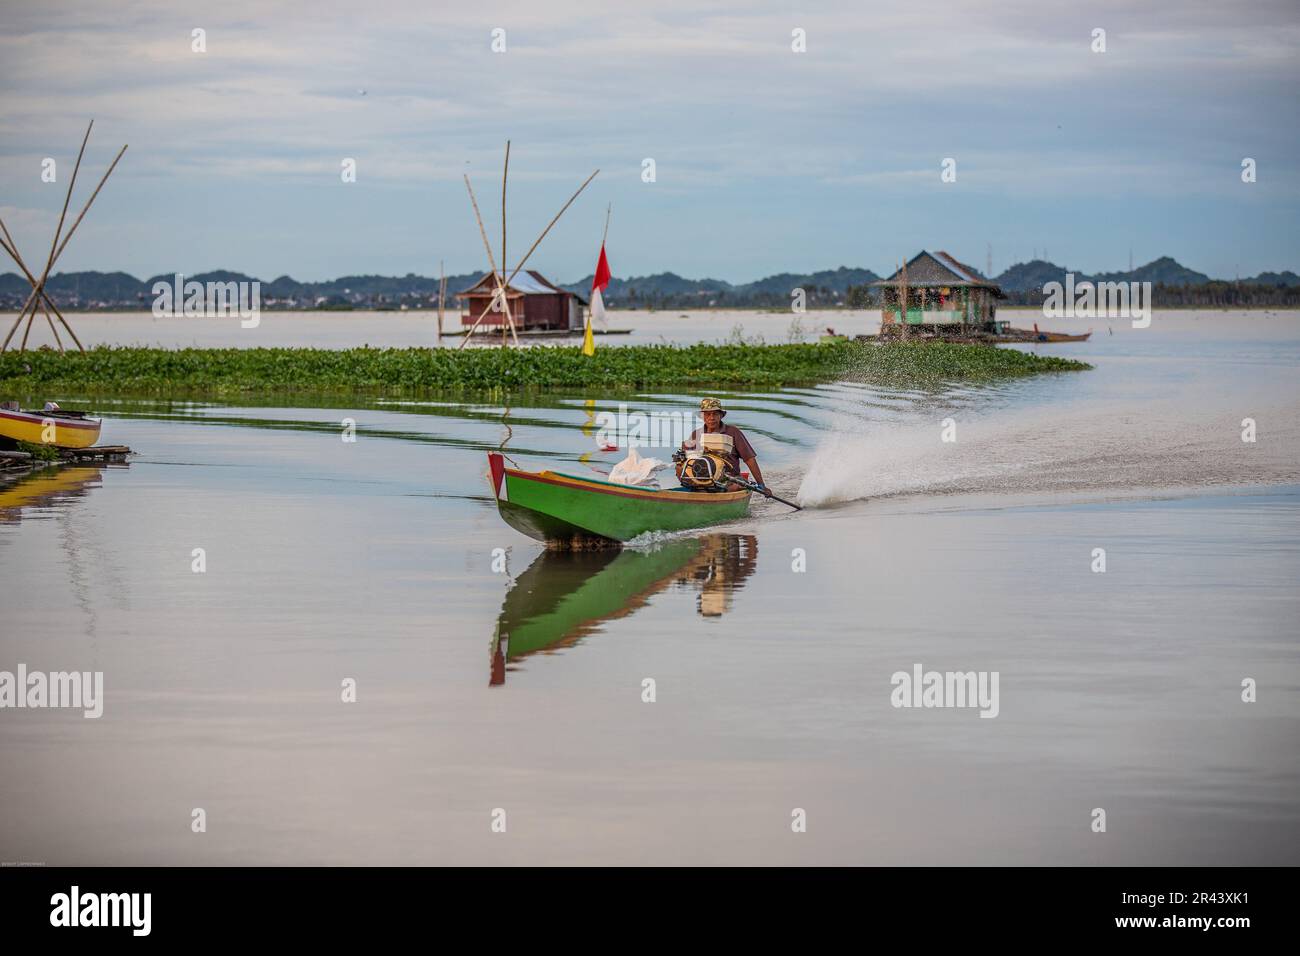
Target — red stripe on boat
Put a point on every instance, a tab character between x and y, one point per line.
498	466
34	419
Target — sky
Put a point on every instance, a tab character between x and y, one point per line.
766	159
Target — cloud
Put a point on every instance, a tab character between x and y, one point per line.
711	91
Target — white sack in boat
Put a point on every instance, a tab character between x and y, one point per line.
635	470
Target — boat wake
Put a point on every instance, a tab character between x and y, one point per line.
1117	447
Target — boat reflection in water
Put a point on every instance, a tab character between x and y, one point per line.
43	489
565	595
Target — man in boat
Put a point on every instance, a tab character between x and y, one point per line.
713	413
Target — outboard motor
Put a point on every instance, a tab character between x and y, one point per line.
705	466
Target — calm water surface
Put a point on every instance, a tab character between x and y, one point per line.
521	688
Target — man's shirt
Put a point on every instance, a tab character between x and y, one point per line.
741	449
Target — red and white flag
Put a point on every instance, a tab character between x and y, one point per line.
598	286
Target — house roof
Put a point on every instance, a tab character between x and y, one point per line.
936	269
525	282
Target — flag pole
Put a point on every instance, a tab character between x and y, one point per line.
442	293
588	342
505	304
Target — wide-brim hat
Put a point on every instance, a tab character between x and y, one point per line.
712	405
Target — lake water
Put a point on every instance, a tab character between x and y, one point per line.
420	329
513	680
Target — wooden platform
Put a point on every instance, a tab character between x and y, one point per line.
970	335
20	462
101	453
495	331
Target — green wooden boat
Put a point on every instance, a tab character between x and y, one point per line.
568	512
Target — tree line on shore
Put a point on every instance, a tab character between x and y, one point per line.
1173	286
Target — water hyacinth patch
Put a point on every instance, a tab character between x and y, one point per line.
153	371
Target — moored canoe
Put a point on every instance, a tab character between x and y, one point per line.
1062	337
58	428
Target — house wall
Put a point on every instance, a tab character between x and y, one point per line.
528	311
548	311
475	304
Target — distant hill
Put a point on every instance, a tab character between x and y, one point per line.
1163	271
1028	277
77	286
835	280
1023	282
1032	276
1286	279
669	290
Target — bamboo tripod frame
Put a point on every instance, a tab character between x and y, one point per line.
501	283
39	298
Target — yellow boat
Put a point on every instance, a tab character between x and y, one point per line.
57	427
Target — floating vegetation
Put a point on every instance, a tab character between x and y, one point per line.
204	371
39	452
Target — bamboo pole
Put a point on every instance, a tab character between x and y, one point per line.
58	231
505	173
63	321
609	211
466	337
13	254
40	284
491	260
902	299
44	299
14	328
496	277
531	249
58	341
442	293
85	209
12	249
534	246
28	330
510	319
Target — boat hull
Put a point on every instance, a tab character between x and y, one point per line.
1062	337
570	512
31	427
